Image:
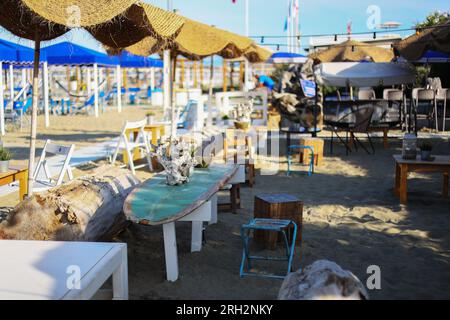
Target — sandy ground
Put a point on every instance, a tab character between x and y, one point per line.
350	216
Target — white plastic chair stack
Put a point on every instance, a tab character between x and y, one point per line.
64	166
128	144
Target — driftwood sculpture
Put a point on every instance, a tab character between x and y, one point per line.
85	209
323	280
295	108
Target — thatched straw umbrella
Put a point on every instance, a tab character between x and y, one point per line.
196	41
353	51
436	38
39	20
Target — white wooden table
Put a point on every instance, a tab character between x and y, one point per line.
51	270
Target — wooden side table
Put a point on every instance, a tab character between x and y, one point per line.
403	167
305	155
281	207
16	174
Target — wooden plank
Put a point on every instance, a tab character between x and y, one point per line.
156	203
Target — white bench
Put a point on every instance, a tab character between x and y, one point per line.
51	270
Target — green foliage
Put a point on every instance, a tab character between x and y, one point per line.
150	114
327	91
422	73
225	117
433	19
426	146
5	154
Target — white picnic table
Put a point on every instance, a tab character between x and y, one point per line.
52	270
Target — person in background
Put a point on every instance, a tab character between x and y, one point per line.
263	81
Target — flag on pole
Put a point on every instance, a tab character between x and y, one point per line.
289	16
349	29
296	9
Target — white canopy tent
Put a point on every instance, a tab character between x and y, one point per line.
363	74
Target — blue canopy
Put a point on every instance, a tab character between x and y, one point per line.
129	60
430	57
67	53
287	57
22	55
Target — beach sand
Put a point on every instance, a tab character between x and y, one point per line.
350	216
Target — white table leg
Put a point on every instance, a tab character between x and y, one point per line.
214	213
120	279
197	235
170	249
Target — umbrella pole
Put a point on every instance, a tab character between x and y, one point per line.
173	124
210	93
2	101
37	52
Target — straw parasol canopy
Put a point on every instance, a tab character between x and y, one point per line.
435	38
196	40
353	51
115	23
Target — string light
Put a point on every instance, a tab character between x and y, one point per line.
335	38
374	35
262	39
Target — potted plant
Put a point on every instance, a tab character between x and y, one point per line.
150	117
5	156
425	150
242	115
226	120
73	83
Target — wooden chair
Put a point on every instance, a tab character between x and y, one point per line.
129	142
64	168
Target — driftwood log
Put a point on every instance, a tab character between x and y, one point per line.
322	280
85	209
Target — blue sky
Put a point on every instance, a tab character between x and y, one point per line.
267	16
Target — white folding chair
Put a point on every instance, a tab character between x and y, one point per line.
63	166
128	143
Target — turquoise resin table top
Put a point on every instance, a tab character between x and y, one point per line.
155	203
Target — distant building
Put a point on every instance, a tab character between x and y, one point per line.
381	40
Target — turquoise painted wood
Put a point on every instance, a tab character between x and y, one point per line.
156	203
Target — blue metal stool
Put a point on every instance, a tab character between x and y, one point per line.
267	225
311	162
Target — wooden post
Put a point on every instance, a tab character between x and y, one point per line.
2	102
182	74
195	75
231	76
224	74
202	70
45	83
37	52
68	77
242	74
119	88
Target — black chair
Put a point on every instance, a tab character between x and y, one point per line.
357	121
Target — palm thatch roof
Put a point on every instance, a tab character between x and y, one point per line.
435	38
196	41
353	51
115	23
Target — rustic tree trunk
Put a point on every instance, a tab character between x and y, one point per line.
86	209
